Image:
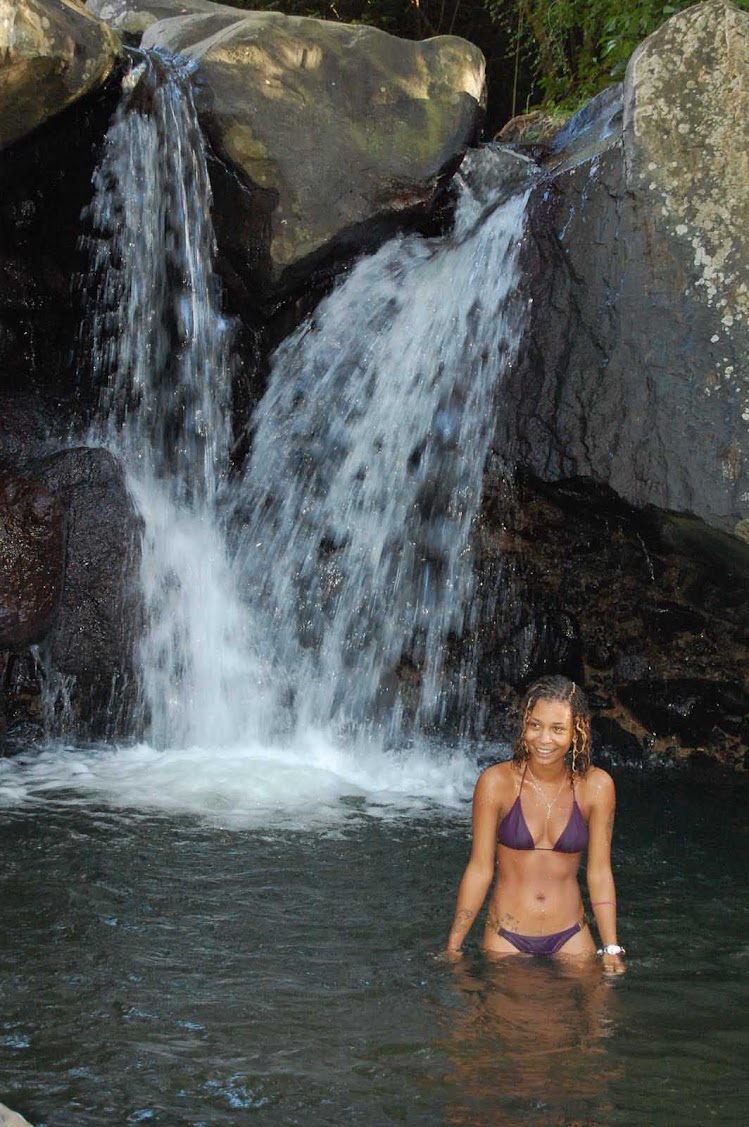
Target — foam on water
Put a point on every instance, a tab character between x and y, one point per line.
310	782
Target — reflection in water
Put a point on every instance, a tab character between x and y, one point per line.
527	1042
164	970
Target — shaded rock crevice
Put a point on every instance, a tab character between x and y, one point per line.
649	610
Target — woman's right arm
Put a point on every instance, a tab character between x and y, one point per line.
480	868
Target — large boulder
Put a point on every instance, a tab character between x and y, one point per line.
70	586
52	52
89	650
31	561
636	372
330	125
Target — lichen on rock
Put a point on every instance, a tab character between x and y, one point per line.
686	136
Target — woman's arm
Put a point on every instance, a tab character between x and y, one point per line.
600	877
480	868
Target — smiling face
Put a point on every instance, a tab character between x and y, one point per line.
548	732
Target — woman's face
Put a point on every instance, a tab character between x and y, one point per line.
548	732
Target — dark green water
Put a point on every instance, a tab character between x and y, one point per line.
157	970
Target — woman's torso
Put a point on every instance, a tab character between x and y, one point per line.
536	891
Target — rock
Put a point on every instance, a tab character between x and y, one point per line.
647	609
26	424
613	742
31	561
695	710
22	712
52	52
545	642
45	182
331	126
635	372
666	620
534	129
90	647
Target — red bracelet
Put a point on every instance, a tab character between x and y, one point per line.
595	903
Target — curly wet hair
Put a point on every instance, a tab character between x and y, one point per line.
559	688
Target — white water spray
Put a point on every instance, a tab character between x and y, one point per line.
270	666
367	463
161	353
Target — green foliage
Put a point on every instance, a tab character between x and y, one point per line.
574	48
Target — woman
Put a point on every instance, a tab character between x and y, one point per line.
533	818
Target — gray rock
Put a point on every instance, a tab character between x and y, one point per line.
52	52
339	124
635	372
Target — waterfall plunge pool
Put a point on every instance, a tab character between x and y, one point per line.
246	930
167	968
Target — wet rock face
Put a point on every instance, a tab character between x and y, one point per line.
635	371
650	613
90	647
31	561
52	52
45	182
69	556
692	710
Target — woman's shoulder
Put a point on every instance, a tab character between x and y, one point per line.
599	786
497	780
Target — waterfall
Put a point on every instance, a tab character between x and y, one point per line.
367	462
161	353
297	597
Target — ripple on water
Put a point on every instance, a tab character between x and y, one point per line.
162	965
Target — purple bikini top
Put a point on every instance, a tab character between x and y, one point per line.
513	830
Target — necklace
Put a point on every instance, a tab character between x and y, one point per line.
537	785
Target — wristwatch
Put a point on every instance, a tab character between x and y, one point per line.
611	949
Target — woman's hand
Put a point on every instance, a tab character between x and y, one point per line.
449	955
613	964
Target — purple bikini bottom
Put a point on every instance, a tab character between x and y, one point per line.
541	944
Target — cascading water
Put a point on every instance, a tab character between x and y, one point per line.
367	462
282	606
160	342
161	353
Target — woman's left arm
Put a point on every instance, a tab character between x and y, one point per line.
600	877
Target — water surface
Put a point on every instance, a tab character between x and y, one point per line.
165	968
